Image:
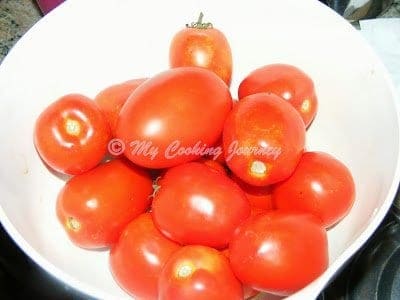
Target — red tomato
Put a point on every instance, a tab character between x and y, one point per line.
216	165
201	45
197	273
279	252
111	99
263	139
320	185
248	292
258	196
255	211
71	135
94	207
286	81
139	256
173	117
218	154
198	205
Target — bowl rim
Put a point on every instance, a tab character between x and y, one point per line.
310	291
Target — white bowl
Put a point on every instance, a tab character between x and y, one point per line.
83	46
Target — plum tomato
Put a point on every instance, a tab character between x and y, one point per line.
139	256
94	207
263	139
248	292
286	81
216	165
201	45
174	117
287	250
196	204
258	196
197	273
111	99
320	185
71	135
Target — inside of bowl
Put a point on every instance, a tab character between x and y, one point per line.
357	119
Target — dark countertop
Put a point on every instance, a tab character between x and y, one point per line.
16	17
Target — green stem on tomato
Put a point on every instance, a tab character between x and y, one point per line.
199	23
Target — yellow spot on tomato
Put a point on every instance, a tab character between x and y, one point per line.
72	127
305	106
73	224
184	270
258	168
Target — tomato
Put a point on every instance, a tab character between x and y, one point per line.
196	204
94	207
248	292
255	211
71	135
201	45
216	165
197	273
217	154
258	196
279	252
286	81
320	185
111	99
263	139
139	256
174	117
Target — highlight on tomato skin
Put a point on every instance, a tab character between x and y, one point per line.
196	205
139	256
197	273
288	82
202	45
94	207
320	185
263	139
173	112
288	249
111	99
71	135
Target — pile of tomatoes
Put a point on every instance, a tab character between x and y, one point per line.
209	197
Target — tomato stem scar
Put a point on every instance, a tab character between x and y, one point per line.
73	224
258	168
199	23
72	127
184	271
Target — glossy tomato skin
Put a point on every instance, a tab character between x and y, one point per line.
286	81
71	135
177	109
202	47
263	139
94	207
258	196
139	256
288	250
197	273
111	99
215	164
248	292
320	185
198	205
